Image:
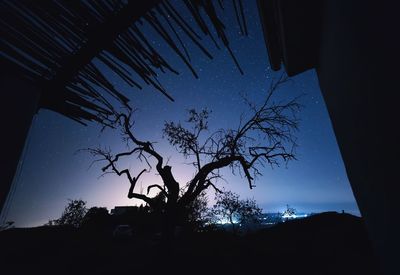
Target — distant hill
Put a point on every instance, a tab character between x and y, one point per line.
326	243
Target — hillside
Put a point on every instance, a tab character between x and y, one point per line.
327	243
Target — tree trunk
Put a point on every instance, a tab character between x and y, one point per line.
170	221
233	225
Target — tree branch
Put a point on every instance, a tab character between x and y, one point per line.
157	186
132	195
209	183
117	156
145	146
196	184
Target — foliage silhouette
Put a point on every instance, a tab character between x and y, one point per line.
73	214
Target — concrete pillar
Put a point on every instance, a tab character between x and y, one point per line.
19	103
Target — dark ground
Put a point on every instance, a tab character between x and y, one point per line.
327	243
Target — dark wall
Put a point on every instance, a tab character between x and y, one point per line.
358	75
354	46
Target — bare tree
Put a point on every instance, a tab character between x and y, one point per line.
227	207
266	136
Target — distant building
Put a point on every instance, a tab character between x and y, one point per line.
121	210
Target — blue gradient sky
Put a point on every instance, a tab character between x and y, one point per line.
51	171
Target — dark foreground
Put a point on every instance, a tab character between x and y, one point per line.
327	243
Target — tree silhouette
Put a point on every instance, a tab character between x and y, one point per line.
73	214
229	207
266	136
250	212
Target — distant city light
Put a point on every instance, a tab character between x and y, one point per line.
289	216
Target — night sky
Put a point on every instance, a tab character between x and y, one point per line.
52	170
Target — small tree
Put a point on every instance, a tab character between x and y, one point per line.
229	207
73	214
250	213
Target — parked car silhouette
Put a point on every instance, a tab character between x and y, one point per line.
123	231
